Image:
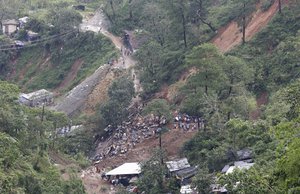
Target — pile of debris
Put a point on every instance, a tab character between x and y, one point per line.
129	134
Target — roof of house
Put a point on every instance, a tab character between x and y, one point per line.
225	168
37	94
178	165
126	169
186	172
10	22
244	154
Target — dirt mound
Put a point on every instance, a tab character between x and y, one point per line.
231	35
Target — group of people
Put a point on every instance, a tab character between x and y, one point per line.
186	122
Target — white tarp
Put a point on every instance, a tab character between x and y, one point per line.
239	165
178	165
126	169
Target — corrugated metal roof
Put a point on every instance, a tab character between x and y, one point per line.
126	169
37	94
10	22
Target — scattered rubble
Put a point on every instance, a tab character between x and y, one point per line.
129	134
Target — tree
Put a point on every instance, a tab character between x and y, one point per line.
63	19
178	11
121	90
199	12
208	60
159	107
248	182
203	180
156	21
279	6
153	174
120	94
151	60
246	7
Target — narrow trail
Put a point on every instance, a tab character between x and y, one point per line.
230	36
80	96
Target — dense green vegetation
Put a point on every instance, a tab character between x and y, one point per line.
60	46
224	89
25	166
87	48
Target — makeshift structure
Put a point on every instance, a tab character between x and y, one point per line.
242	165
180	164
126	169
37	98
9	26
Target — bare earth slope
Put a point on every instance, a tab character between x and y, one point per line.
86	95
231	36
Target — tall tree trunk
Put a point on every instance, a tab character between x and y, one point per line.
206	87
130	10
112	8
244	24
228	115
184	28
279	6
208	24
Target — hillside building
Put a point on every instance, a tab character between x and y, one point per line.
9	26
37	98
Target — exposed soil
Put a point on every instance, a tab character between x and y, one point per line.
99	94
172	142
227	38
261	100
71	75
231	35
92	91
75	99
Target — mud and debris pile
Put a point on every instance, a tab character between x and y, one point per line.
129	134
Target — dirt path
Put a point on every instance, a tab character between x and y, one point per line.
231	36
86	94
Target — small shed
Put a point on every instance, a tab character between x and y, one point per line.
125	169
36	98
9	26
176	165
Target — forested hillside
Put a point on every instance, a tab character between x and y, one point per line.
233	64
